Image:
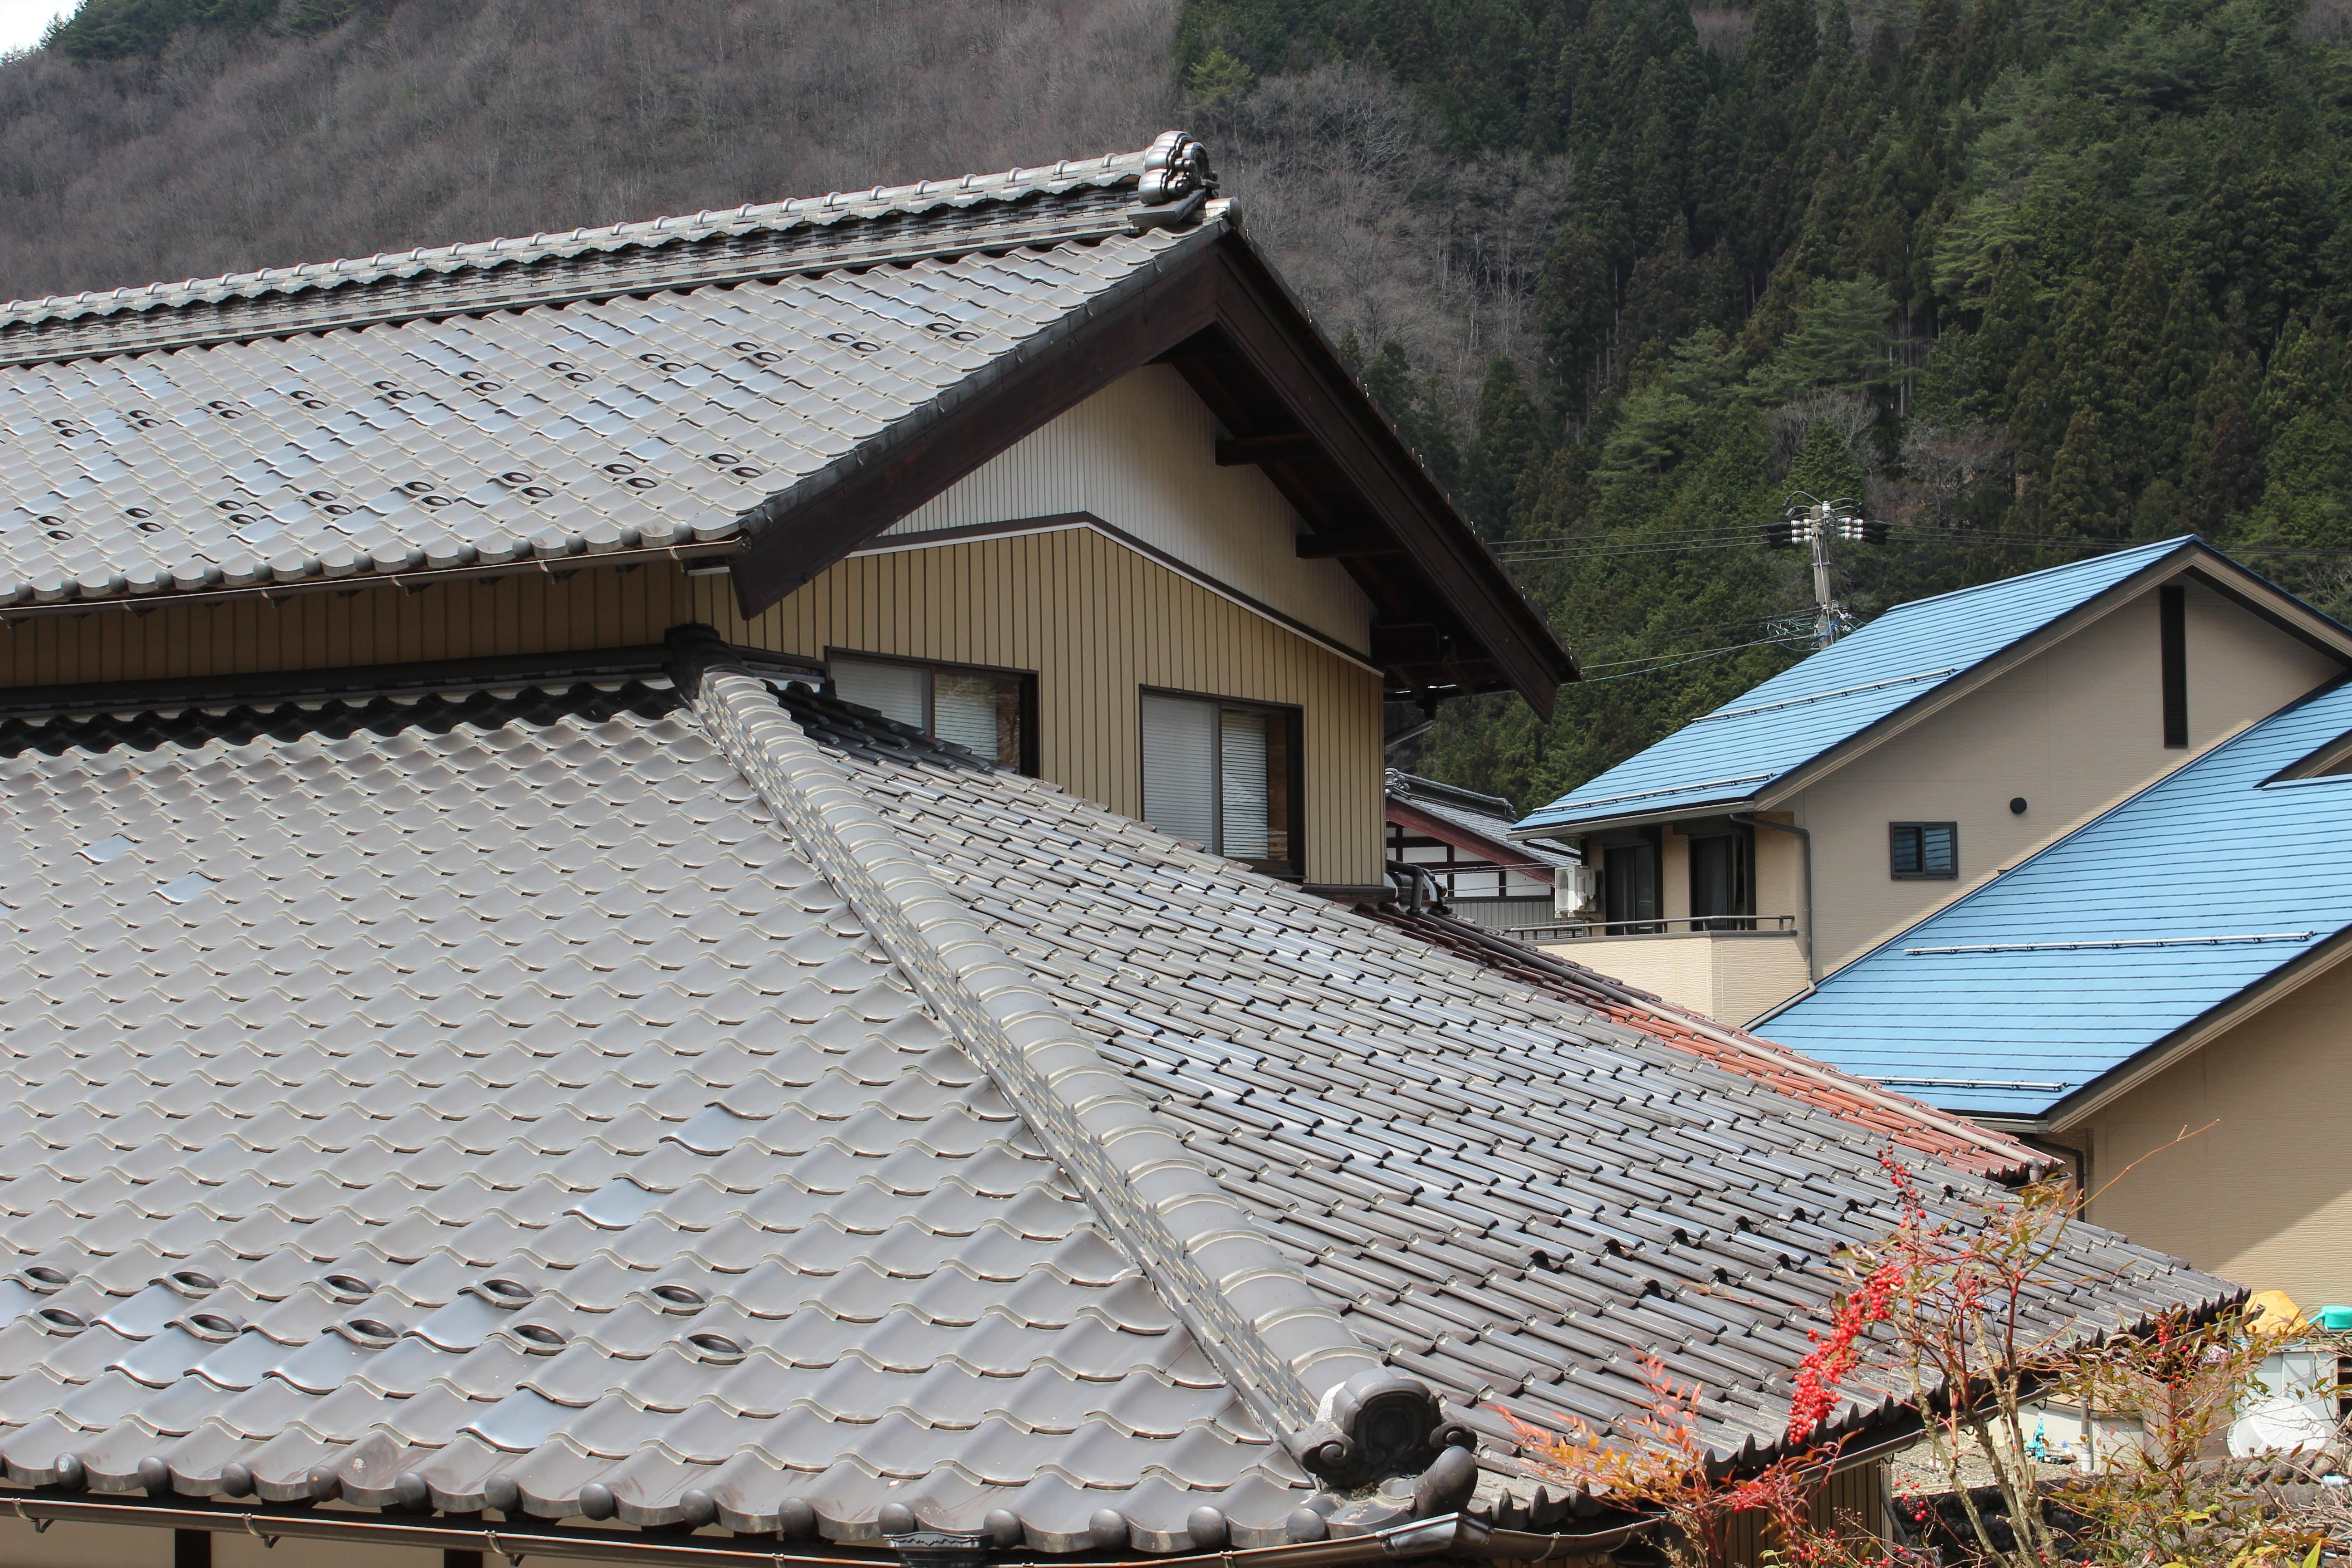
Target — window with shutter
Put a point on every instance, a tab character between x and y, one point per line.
1221	775
1180	768
896	691
1241	785
987	712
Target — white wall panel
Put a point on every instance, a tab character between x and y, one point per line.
1141	455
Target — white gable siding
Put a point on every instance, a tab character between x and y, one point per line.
1141	455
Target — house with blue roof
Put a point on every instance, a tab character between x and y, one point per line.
1768	846
2173	966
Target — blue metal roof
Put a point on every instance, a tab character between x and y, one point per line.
1728	755
2129	928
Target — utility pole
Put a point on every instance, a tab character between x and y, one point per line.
1809	521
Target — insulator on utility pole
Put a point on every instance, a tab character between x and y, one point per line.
1809	519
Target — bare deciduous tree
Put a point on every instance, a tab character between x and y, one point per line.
454	120
1341	179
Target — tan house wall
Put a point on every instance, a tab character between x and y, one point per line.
1093	618
2258	1194
1099	622
1730	975
2074	731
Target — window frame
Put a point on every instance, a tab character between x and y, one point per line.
1026	680
1649	843
1742	874
1294	771
1923	875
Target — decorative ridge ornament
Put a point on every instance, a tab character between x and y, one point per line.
1176	183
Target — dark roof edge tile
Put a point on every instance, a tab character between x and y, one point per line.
271	689
1238	1294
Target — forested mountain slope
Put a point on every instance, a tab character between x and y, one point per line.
184	138
2038	277
2034	277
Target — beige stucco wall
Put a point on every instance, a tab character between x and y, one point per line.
1730	975
2259	1194
2074	731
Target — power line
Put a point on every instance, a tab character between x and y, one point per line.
1693	659
1732	648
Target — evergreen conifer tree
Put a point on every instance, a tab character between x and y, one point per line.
2081	498
1505	450
1825	468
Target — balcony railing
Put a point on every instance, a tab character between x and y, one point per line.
1681	925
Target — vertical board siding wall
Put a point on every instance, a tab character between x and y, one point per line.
1095	620
483	619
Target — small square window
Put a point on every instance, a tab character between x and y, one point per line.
1924	851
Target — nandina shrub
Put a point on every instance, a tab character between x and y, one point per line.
1953	1308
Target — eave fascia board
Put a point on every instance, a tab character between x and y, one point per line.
1275	336
2087	1101
796	534
2001	1122
1583	826
2258	596
1213	281
1498	852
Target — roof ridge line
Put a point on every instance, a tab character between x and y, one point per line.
1103	171
1322	1392
2154	546
95	335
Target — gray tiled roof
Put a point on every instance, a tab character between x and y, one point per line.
717	1103
643	387
1489	817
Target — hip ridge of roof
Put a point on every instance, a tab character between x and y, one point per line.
1291	1358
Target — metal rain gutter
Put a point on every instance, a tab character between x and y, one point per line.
1455	1534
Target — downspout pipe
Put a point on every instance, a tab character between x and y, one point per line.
1805	839
1419	887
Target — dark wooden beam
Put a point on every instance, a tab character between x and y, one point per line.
1263	323
1243	451
1217	313
1342	545
1410	643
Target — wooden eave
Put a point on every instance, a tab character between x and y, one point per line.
1501	854
1447	620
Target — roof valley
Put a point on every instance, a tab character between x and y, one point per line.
1252	1310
